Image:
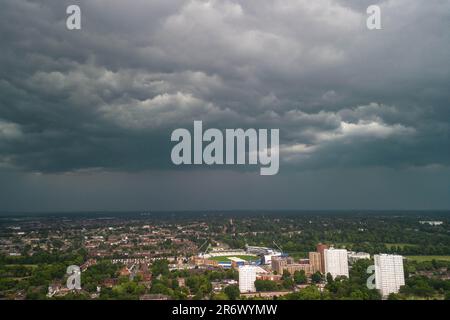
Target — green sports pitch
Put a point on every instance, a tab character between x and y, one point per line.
227	258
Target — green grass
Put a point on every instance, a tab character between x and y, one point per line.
428	258
226	258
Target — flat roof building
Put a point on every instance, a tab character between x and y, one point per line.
315	260
336	262
247	277
355	256
389	273
281	264
320	249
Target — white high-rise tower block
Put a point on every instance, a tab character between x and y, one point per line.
336	262
247	277
389	274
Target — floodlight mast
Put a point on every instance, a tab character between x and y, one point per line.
207	247
279	248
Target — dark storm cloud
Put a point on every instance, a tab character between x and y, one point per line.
108	96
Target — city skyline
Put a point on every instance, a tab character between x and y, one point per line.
225	257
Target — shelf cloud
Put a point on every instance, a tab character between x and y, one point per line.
104	99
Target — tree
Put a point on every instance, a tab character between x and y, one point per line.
286	274
300	277
288	283
418	285
316	277
199	285
265	285
329	278
220	296
160	267
159	287
232	292
308	293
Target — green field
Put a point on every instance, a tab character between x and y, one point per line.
401	245
226	258
428	258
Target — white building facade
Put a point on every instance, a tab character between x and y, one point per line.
355	256
336	262
247	277
389	274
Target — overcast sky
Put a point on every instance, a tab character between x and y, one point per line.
86	116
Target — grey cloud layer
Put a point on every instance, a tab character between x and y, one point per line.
109	95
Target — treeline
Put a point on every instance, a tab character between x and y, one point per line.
373	234
423	287
75	256
33	274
